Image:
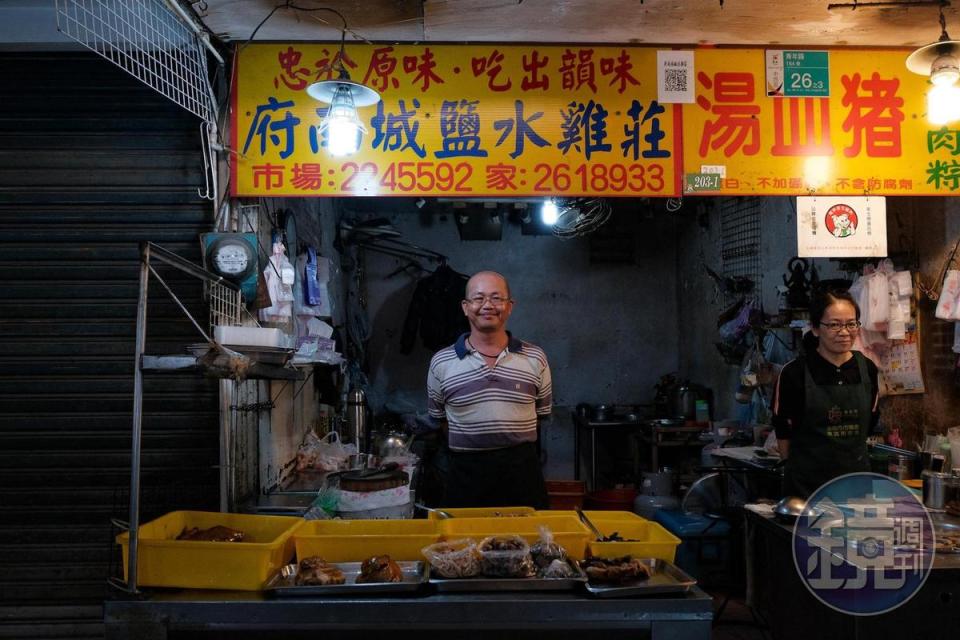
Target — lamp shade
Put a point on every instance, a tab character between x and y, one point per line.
326	90
921	61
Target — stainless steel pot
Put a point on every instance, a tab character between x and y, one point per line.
939	489
391	443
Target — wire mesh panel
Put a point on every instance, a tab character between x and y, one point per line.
740	239
226	306
148	41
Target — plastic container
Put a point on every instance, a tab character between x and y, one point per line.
653	541
611	499
566	494
597	516
357	540
486	512
506	563
164	561
706	551
568	531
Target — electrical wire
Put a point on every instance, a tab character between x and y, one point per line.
290	5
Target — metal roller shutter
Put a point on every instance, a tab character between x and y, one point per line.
91	163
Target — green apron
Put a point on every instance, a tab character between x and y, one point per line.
832	437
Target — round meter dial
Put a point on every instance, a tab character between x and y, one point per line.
232	258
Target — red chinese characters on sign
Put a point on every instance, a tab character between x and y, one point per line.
532	66
796	133
380	72
491	66
501	177
577	69
308	176
619	71
291	74
328	64
736	127
874	117
424	66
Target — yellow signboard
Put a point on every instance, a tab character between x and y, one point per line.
870	135
457	121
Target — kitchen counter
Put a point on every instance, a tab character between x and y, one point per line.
214	614
779	596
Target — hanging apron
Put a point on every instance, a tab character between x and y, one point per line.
500	478
831	440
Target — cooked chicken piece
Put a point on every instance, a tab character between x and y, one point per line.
315	571
217	533
379	569
622	569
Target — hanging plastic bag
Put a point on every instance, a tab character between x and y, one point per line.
280	276
949	297
323	454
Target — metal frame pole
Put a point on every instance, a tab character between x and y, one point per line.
137	417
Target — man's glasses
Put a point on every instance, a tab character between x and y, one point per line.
853	325
495	300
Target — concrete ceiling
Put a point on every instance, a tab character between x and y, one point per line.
681	22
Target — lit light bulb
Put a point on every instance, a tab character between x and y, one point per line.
549	212
945	70
343	136
943	104
343	127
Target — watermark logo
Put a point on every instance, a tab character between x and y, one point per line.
864	544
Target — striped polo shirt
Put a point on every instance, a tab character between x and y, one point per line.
489	407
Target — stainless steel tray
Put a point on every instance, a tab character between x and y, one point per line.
284	585
481	583
664	578
953	530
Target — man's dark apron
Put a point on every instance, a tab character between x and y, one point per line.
499	478
832	437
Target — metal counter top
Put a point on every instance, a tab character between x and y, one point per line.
685	617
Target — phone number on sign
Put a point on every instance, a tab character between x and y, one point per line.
369	178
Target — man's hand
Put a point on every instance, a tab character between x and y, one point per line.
784	447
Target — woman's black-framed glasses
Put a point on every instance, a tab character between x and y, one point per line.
836	327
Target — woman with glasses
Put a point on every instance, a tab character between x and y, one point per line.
825	401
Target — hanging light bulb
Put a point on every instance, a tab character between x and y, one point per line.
343	127
549	212
939	61
944	70
342	124
943	104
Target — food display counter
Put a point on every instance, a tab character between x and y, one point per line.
472	574
776	592
214	614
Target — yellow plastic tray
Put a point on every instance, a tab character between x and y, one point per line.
164	561
653	540
597	516
568	532
357	540
485	512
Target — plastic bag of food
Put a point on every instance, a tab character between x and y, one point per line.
453	559
559	569
544	551
506	557
323	454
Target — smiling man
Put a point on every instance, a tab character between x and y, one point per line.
489	390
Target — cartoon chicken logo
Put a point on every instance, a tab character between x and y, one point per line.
841	221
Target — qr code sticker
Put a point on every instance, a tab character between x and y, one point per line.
675	79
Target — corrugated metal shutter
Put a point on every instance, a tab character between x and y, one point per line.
91	163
